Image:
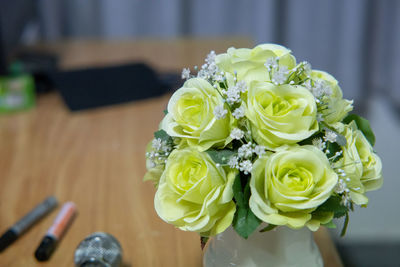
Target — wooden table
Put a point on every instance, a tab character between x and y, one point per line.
96	159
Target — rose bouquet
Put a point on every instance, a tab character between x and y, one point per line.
255	137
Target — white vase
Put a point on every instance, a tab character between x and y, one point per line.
281	247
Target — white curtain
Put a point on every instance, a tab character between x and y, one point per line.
357	41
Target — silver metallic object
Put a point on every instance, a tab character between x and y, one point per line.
98	250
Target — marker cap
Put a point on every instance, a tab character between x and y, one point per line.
46	248
7	238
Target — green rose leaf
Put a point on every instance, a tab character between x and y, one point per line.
238	193
165	111
163	136
268	228
333	204
244	221
345	225
330	224
363	125
221	156
203	241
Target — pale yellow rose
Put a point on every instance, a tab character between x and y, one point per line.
191	116
280	114
337	106
249	63
361	165
287	186
195	194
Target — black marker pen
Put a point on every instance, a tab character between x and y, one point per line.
26	222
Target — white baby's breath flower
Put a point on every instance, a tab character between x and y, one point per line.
320	117
233	95
246	166
219	77
237	134
245	151
271	63
345	199
317	142
241	86
212	68
220	112
330	136
321	88
318	88
307	84
166	148
238	113
185	73
327	90
211	57
259	150
203	74
340	187
233	162
151	155
279	76
157	144
306	68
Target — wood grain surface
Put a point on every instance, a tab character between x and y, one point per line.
96	159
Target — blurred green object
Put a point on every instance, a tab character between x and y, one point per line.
17	92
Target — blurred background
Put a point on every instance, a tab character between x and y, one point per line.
357	41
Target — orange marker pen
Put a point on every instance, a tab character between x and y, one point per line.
56	231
